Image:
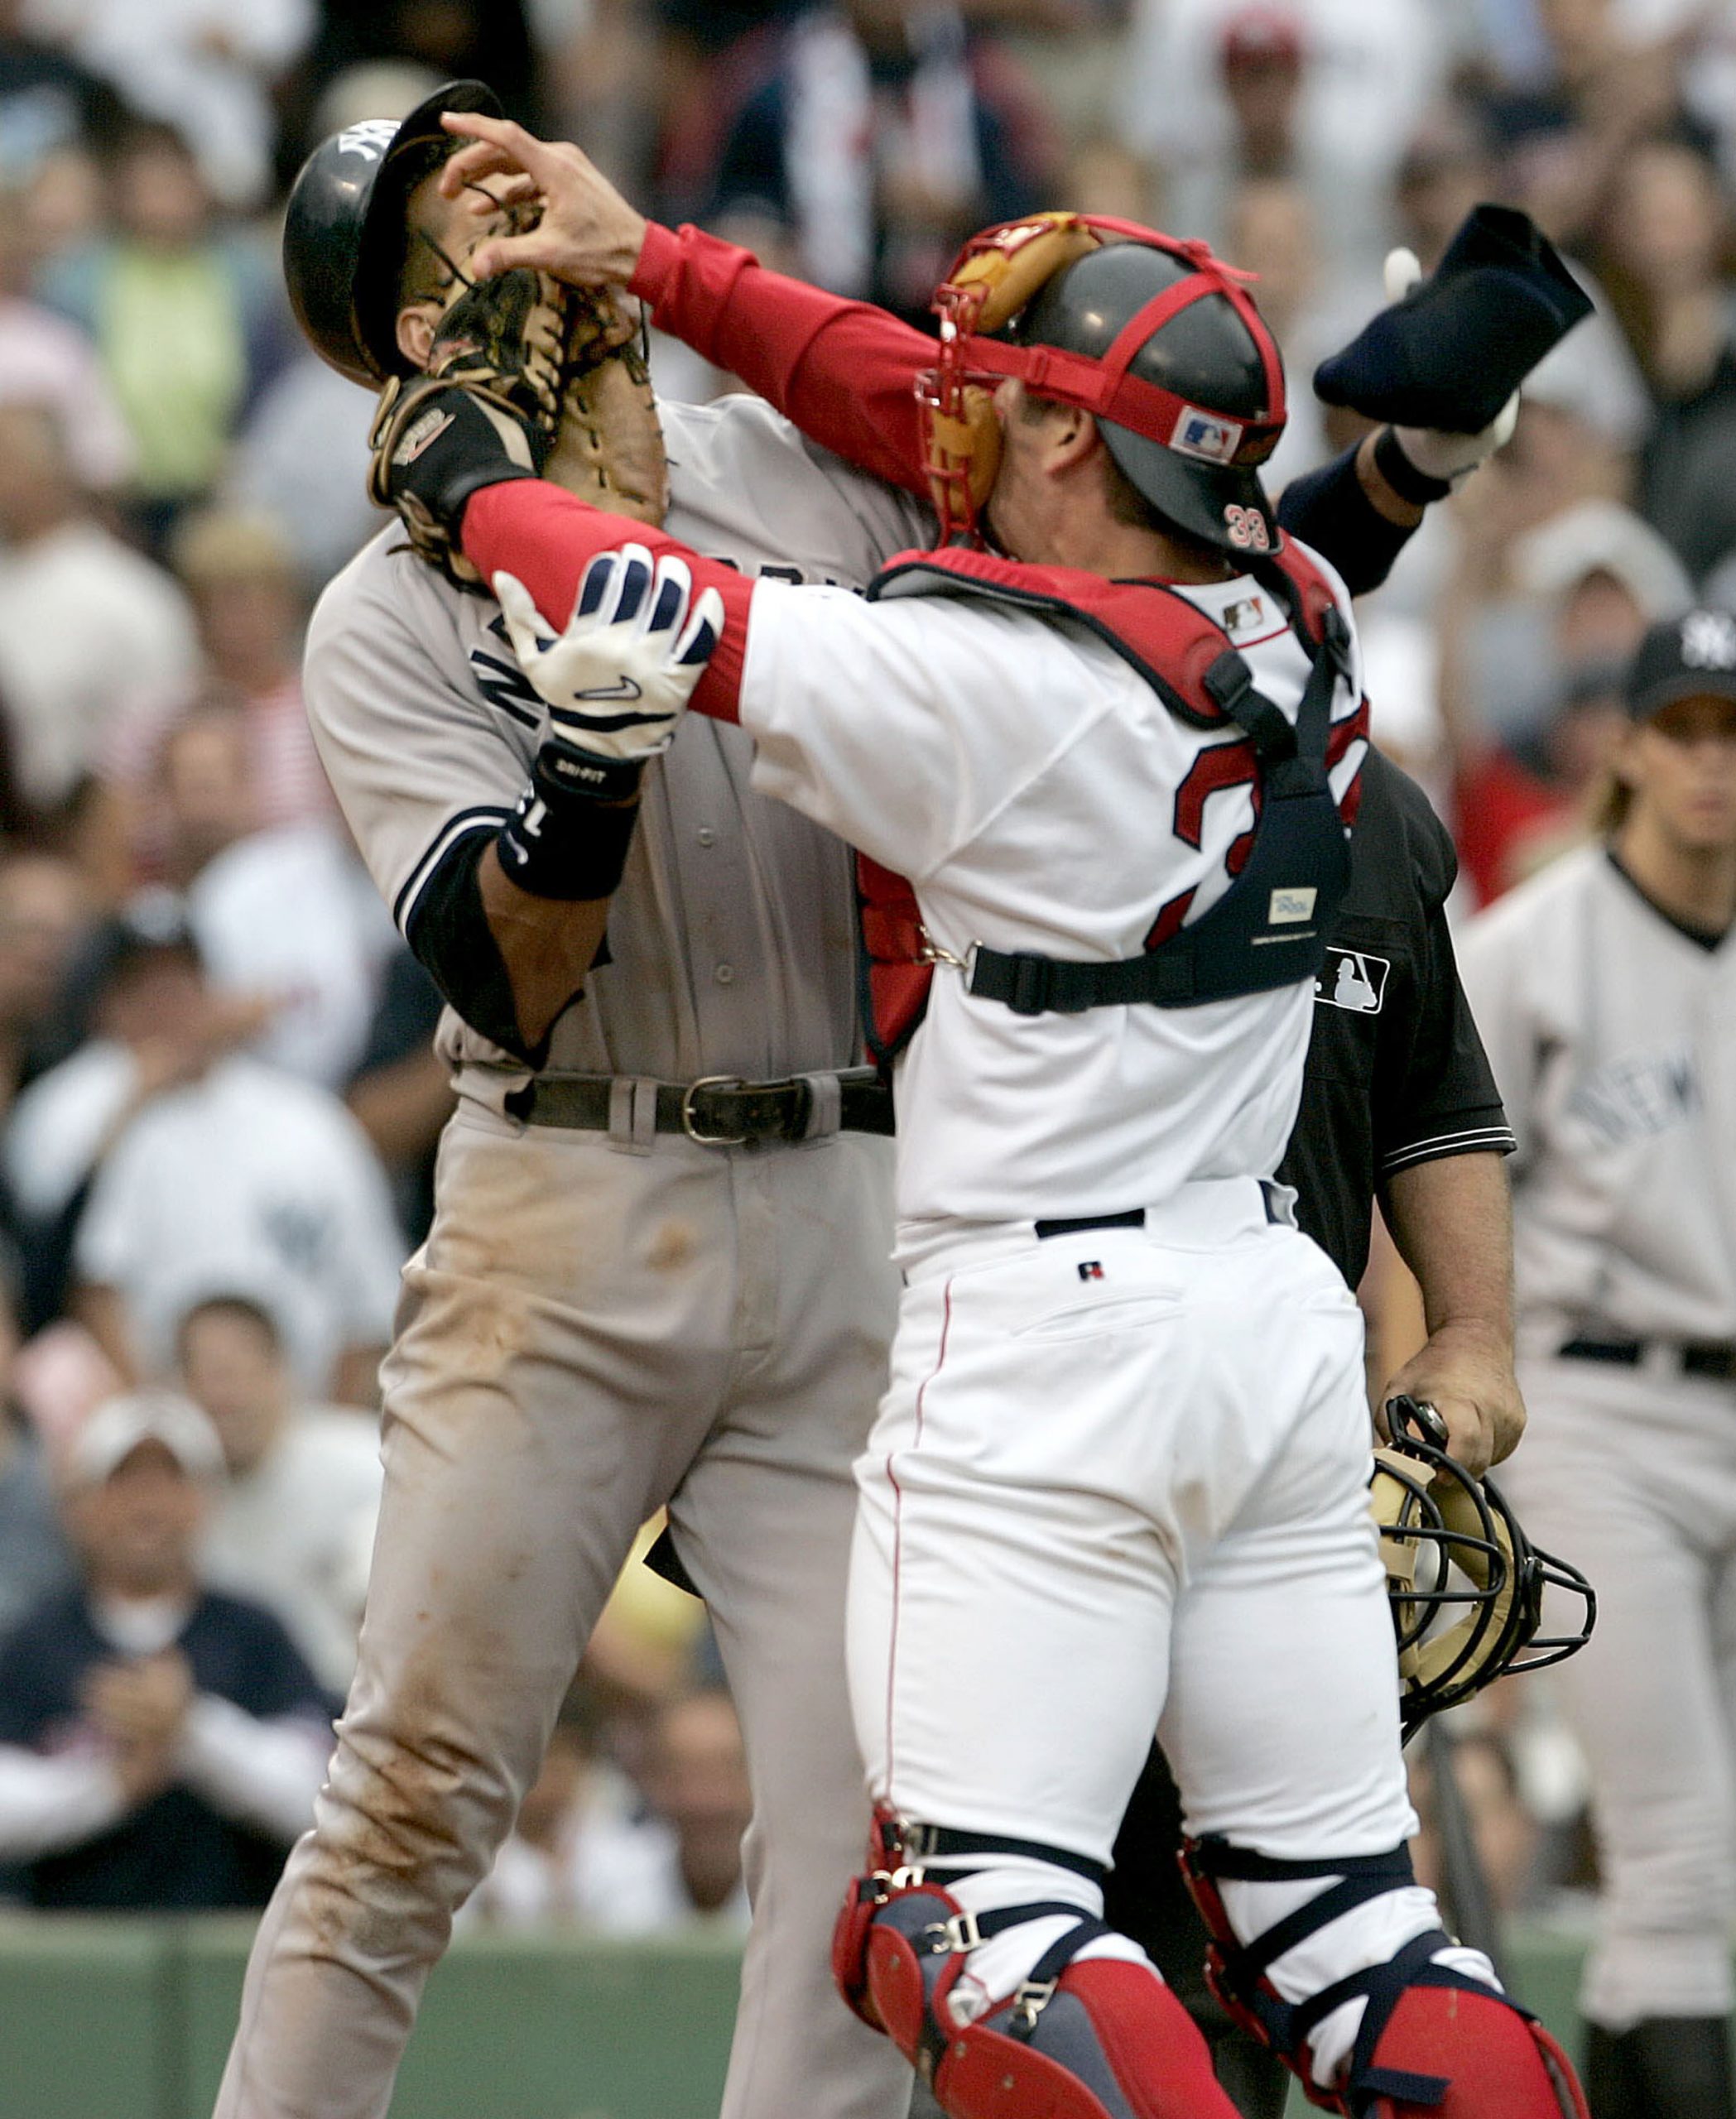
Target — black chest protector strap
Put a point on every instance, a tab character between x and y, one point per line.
1269	928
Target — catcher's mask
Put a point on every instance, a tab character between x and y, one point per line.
1464	1583
343	230
1159	339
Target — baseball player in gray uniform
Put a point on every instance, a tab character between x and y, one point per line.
613	1311
1605	989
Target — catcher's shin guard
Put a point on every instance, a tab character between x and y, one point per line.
1432	2039
1104	2040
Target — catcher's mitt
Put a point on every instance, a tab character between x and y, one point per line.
568	365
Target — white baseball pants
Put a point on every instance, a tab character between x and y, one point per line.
1121	1475
1631	1474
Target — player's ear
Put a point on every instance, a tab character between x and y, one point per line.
1071	439
415	331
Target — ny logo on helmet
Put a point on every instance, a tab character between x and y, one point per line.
370	139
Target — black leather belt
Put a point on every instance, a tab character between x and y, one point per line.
1715	1358
1274	1196
718	1111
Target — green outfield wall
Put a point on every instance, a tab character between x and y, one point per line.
119	2019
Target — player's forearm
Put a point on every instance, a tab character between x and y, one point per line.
546	537
48	1803
1349	513
546	944
843	371
1452	1222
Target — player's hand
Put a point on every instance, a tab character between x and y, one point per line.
1469	1379
1433	451
588	236
619	678
142	1704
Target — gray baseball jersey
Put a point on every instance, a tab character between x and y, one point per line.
596	1328
1610	1029
1610	1032
732	938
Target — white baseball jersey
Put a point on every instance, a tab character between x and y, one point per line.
1610	1031
1025	778
732	938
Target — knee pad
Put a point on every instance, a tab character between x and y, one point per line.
1104	2040
1432	2039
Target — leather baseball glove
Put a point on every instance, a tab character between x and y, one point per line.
565	365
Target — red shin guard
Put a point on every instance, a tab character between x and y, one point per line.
1434	2044
1106	2041
1111	2042
1496	2062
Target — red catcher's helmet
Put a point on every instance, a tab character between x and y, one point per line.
1159	339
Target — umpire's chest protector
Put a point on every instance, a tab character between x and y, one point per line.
1269	928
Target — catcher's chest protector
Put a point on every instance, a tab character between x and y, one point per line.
1269	928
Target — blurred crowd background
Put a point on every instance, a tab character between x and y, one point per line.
217	1101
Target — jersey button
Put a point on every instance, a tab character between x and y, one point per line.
707	836
724	973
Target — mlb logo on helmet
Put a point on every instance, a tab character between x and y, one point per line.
1205	434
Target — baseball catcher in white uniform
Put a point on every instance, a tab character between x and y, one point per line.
1606	989
1117	1474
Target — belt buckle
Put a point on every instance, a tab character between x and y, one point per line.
692	1132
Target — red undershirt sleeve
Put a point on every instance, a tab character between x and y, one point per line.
843	371
547	537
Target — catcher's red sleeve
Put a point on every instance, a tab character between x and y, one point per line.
843	371
547	536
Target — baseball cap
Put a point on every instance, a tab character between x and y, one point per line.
116	1428
1261	36
1693	657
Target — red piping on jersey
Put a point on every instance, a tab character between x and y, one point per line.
547	536
892	1645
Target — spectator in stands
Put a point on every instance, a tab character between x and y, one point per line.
36	1561
877	143
188	320
48	101
204	1170
86	624
206	67
237	566
186	1737
45	360
151	1033
300	452
1663	263
44	912
401	1093
1205	82
293	1527
583	1849
697	1785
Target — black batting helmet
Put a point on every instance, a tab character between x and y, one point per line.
1222	408
344	231
1466	1584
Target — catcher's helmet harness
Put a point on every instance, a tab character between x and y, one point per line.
1158	339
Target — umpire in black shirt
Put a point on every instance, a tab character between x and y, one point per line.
1398	1105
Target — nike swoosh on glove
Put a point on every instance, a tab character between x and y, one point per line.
619	678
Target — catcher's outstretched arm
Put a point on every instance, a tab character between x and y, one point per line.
843	371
